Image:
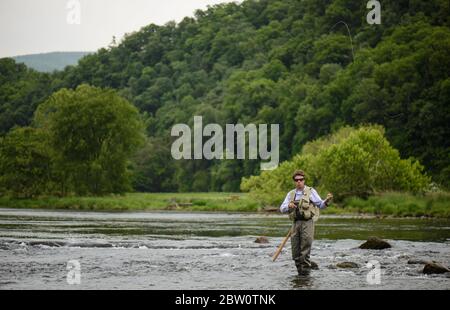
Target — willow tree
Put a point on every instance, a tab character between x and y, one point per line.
92	134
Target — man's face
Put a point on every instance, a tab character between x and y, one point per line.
299	181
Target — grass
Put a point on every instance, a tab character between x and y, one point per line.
385	204
234	202
399	205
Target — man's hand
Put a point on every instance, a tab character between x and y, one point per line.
329	197
291	205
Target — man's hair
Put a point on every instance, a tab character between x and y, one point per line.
298	172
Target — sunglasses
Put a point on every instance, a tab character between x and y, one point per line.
299	180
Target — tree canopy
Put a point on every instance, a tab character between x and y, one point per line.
81	142
286	62
351	162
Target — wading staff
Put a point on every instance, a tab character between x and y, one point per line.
274	257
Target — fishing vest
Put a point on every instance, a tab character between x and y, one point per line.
306	210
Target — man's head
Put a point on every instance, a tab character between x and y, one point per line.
299	179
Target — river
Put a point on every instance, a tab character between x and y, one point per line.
46	249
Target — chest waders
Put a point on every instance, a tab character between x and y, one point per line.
303	216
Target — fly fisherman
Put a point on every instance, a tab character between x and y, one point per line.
303	204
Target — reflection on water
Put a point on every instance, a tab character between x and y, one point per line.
171	250
177	225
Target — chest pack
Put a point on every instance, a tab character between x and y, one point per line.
305	209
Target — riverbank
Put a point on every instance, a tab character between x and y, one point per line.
233	202
387	204
401	205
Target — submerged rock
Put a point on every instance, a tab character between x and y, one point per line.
47	243
314	265
431	268
375	243
418	261
262	239
347	265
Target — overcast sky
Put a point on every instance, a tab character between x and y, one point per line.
39	26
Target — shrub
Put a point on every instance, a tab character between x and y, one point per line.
351	162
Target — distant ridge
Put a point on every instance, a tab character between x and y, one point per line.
48	62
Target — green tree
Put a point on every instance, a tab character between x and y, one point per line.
25	163
350	162
94	132
21	90
151	170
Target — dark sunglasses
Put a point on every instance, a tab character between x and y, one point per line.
296	180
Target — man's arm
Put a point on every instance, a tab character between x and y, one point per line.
317	201
284	208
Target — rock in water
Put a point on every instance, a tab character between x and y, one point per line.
418	261
262	239
431	268
314	265
347	265
375	243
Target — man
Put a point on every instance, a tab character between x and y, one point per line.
303	204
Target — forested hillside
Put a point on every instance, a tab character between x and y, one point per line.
288	62
48	62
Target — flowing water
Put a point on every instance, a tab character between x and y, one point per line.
172	250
